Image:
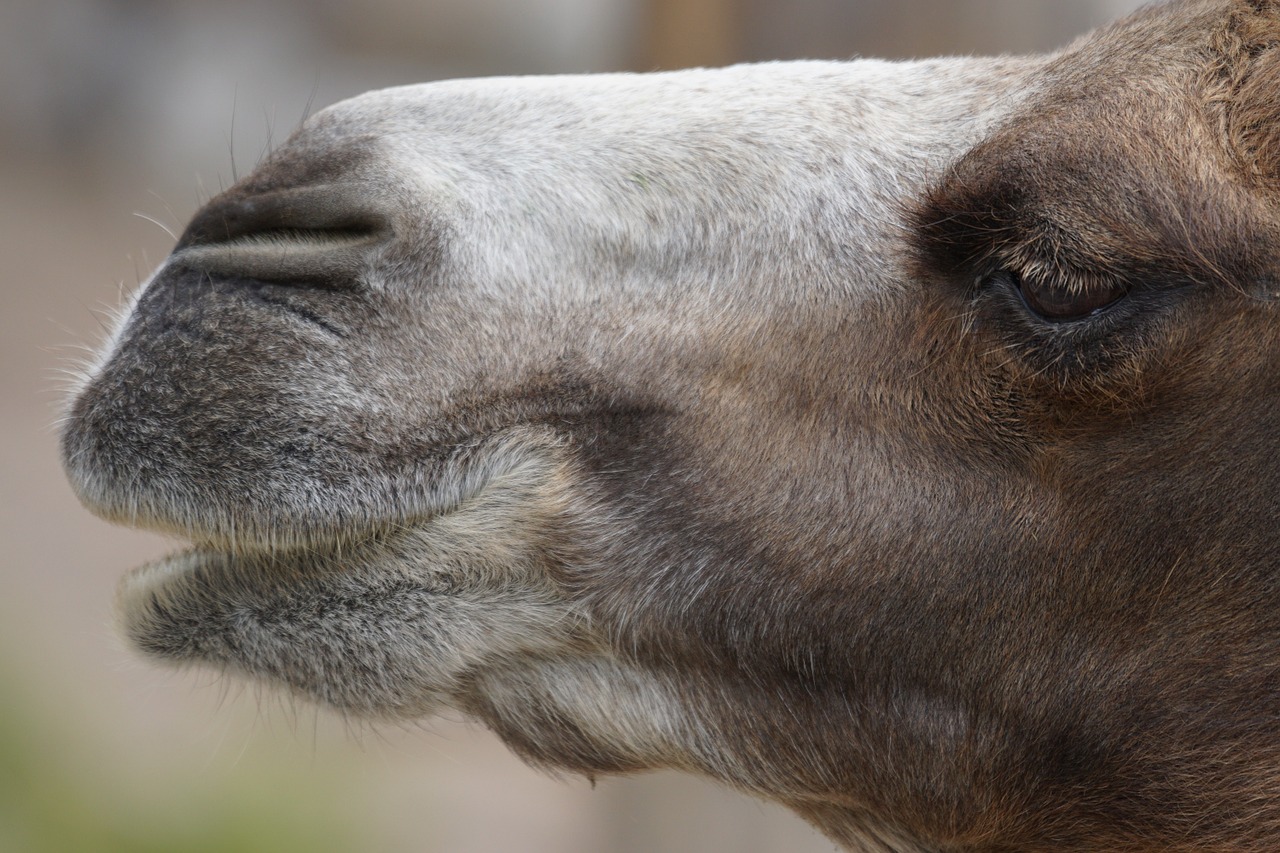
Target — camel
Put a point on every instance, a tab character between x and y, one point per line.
894	441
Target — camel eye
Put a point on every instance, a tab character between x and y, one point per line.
1058	303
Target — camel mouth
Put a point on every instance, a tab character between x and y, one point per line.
206	601
288	554
415	606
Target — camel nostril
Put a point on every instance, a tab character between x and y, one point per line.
335	209
319	234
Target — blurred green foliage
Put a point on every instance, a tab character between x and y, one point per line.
55	798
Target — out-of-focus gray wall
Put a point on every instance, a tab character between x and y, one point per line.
157	84
903	29
111	107
172	87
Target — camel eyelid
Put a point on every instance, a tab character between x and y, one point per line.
1054	301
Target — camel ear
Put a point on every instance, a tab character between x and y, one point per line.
1242	90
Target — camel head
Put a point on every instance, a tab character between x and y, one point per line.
894	441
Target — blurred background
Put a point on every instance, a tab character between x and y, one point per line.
117	118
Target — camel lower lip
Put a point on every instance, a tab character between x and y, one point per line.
178	605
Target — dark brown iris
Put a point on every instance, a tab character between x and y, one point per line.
1059	303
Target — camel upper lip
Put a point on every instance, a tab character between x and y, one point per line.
516	456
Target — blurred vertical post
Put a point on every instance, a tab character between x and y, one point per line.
685	33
